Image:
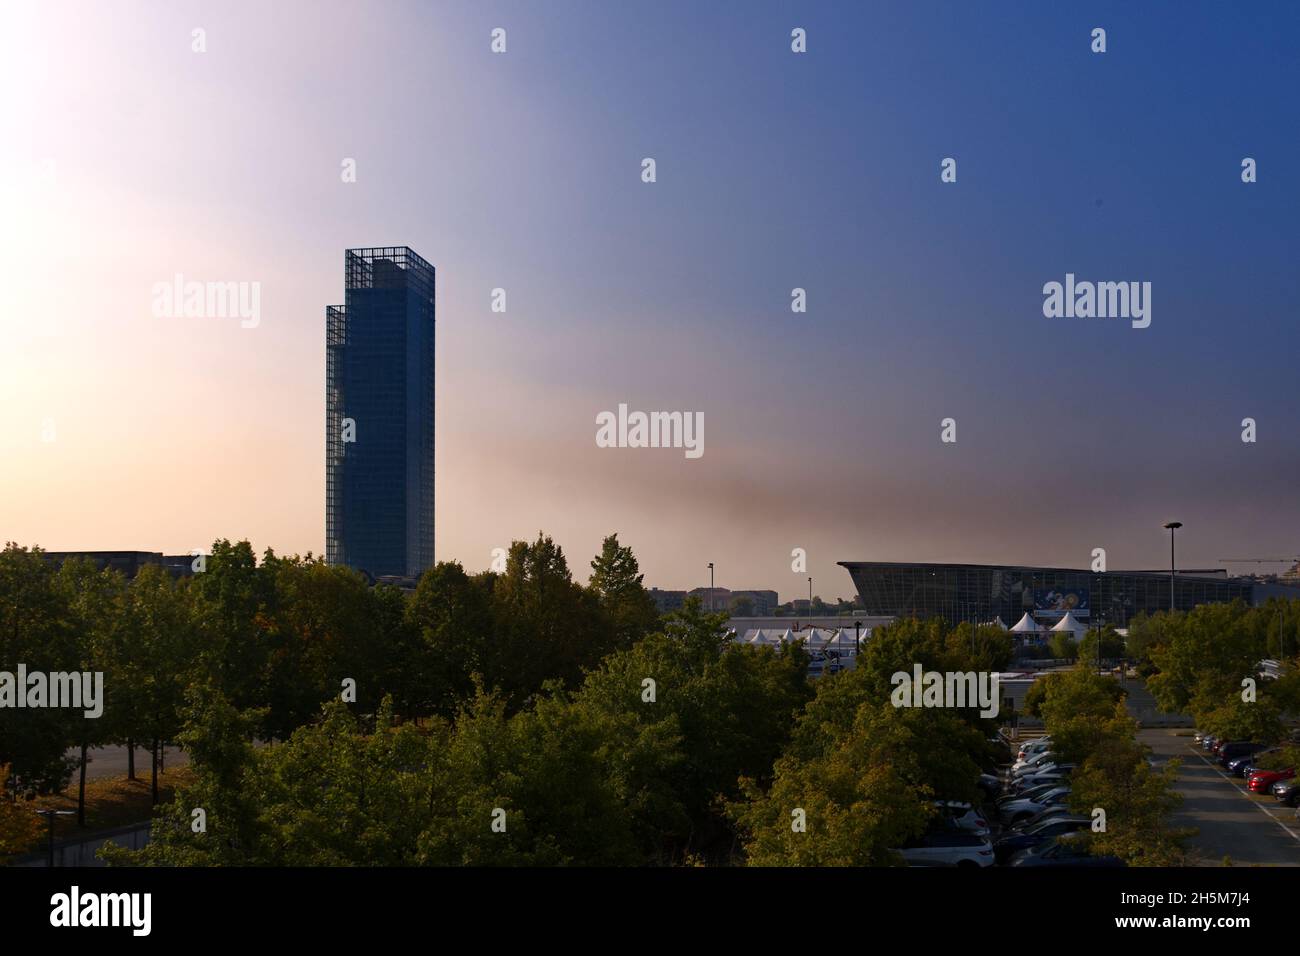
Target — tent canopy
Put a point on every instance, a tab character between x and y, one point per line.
1069	623
1026	625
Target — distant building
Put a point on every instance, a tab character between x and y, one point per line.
667	601
761	603
981	592
128	562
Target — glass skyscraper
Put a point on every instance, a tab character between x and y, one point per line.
379	415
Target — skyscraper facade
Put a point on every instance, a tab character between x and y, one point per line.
379	415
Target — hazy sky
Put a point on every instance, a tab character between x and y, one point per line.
129	158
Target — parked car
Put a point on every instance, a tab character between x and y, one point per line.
1017	810
1051	766
1261	781
1032	761
1031	747
948	848
961	816
1237	748
1029	794
1047	813
1255	762
1207	742
1057	777
1013	841
1287	792
1238	766
1062	851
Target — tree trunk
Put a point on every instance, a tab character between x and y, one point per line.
154	762
130	758
81	788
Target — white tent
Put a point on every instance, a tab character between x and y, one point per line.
997	622
1069	623
1026	625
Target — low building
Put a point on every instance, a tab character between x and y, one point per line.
761	602
666	601
128	562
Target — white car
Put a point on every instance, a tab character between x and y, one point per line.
1033	760
1033	747
948	848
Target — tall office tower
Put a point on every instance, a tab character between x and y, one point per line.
379	415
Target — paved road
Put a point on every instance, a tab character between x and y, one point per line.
1233	823
111	762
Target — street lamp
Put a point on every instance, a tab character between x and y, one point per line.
1173	527
49	816
710	587
810	599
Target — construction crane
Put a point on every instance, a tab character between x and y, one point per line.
1291	573
1258	560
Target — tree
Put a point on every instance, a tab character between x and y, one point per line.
616	580
228	601
864	792
95	601
217	736
1112	646
1080	709
452	614
36	629
1137	800
1218	641
546	626
160	655
720	711
993	648
1063	646
19	826
742	606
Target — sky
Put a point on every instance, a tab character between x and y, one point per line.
129	158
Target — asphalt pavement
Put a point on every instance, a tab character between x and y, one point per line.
1234	824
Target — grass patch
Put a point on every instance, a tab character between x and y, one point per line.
111	801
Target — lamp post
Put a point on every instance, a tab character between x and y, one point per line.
857	636
810	599
49	816
710	587
1173	527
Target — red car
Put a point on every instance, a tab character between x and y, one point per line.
1262	780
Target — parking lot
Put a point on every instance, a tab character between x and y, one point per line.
1234	824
